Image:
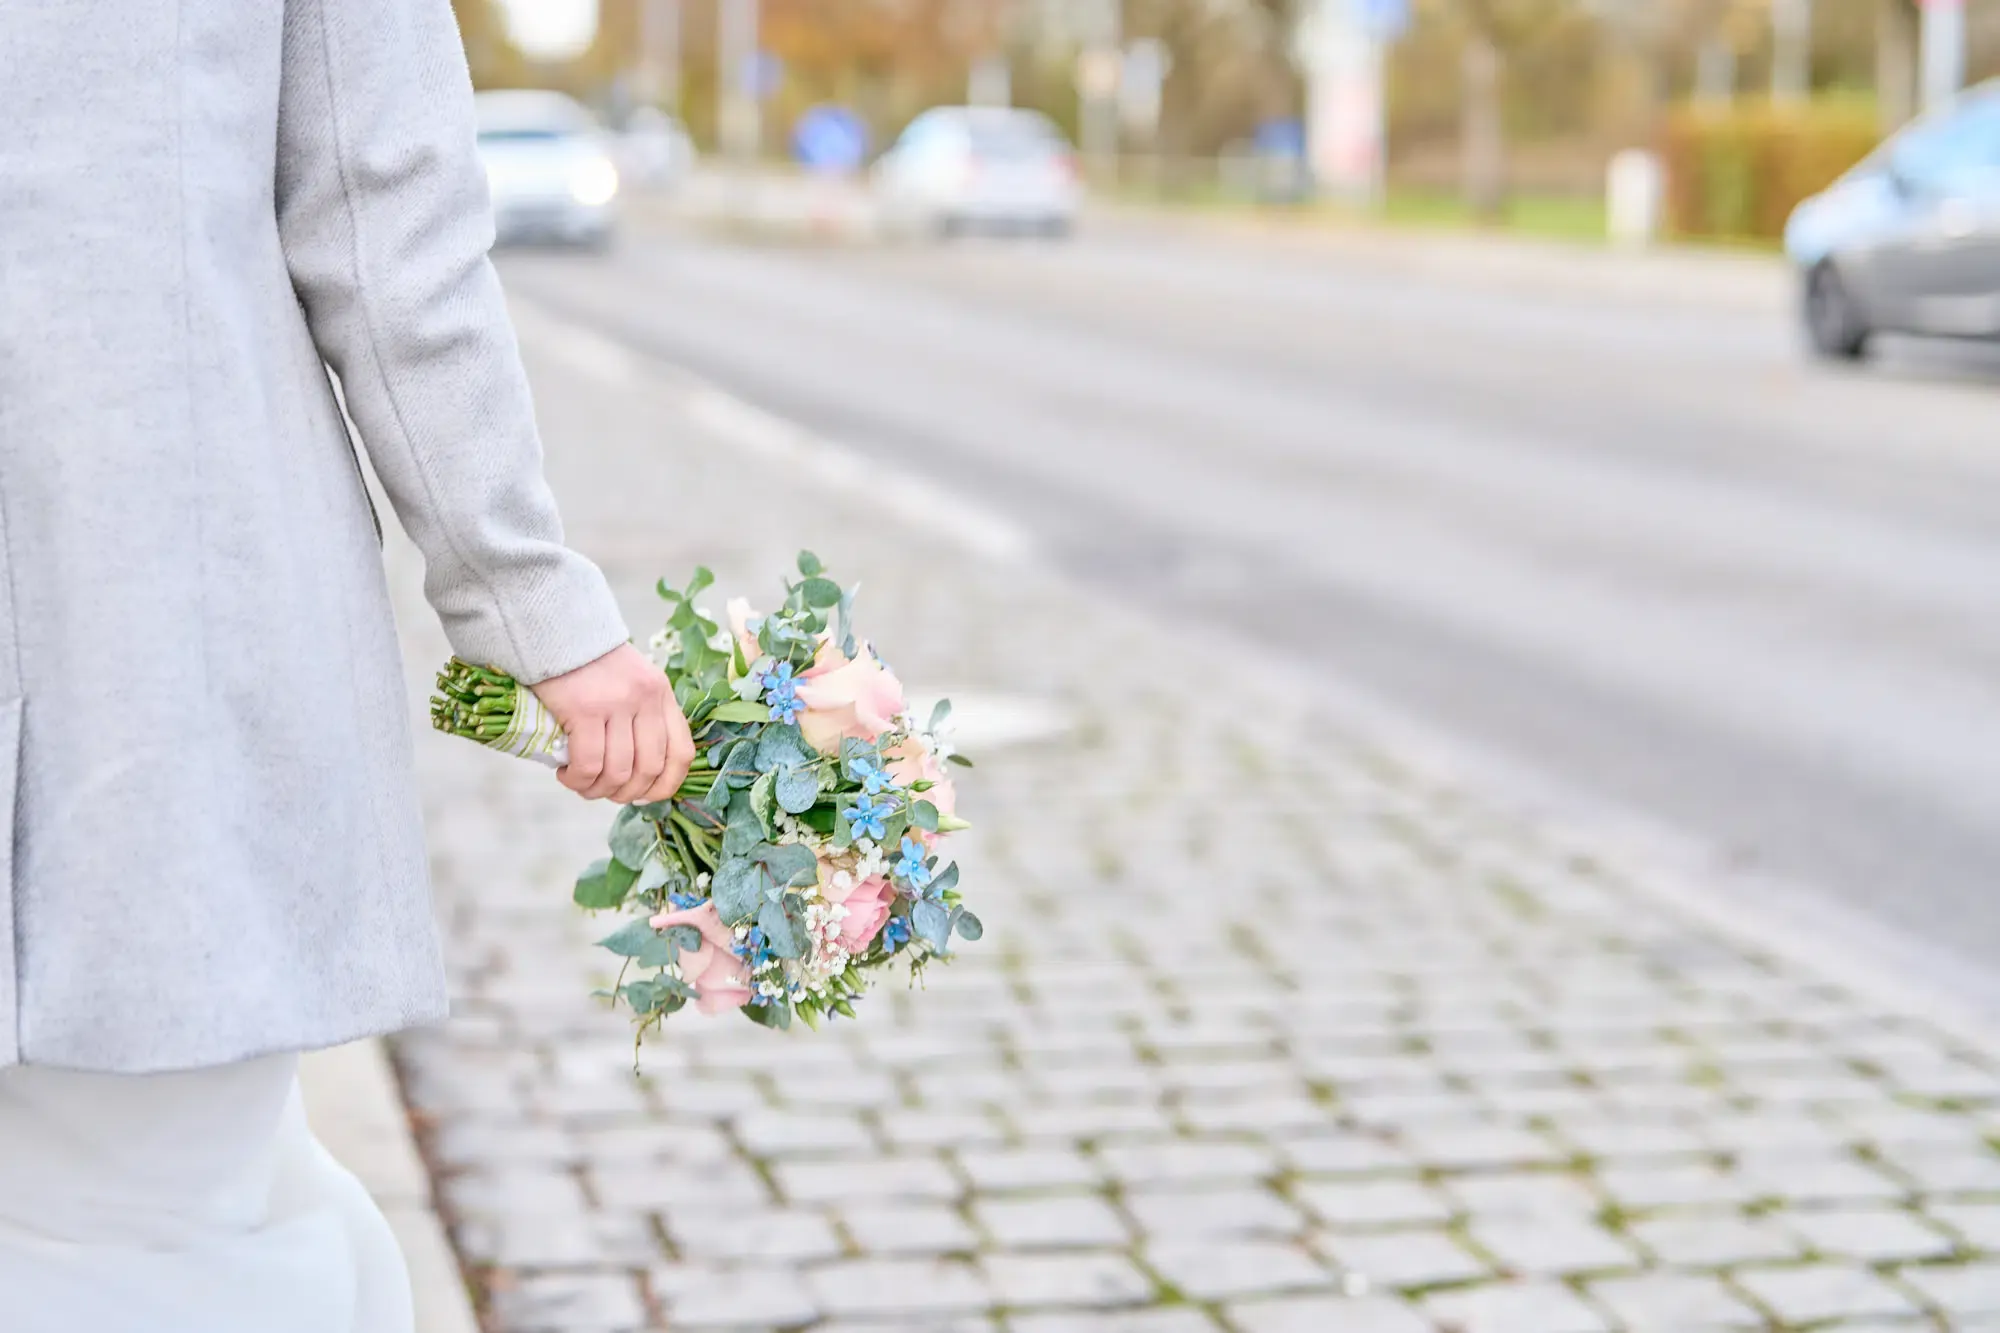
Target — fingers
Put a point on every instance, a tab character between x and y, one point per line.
618	755
586	755
680	753
649	753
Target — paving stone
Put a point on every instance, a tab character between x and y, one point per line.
1342	1155
1186	1162
769	1133
709	1297
1713	1240
1672	1302
1526	1194
1517	1307
1171	1214
1026	1168
1217	1270
1052	1222
1822	1291
569	1303
866	1178
1327	1314
1373	1203
1678	1184
1958	1289
916	1129
1477	1147
900	1229
905	1287
1404	1259
1977	1223
1872	1235
663	1187
1545	1247
1828	1178
1181	1319
773	1236
1614	1138
1946	1169
1025	1281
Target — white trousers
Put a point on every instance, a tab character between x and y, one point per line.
184	1203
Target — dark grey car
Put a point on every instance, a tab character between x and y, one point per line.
1909	241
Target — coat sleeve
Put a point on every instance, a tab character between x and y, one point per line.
385	222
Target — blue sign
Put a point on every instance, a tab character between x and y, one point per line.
830	139
1281	138
1384	20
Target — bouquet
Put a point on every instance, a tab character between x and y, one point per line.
801	856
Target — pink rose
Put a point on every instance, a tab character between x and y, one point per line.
844	697
721	980
740	616
867	912
910	763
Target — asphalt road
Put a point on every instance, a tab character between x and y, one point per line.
1637	546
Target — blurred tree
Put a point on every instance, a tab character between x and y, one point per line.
1896	60
1496	32
496	62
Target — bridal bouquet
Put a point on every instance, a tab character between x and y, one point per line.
802	855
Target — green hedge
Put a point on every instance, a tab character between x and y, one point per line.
1737	172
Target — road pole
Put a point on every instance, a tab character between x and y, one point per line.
739	117
660	63
1943	51
1102	61
1791	50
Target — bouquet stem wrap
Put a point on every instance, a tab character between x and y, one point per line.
484	705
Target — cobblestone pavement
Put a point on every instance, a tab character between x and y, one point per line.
1267	1033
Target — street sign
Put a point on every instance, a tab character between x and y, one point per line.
1384	20
830	139
1142	80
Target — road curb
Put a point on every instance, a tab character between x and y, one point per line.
356	1108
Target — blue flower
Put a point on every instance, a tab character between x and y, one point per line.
681	902
781	691
873	779
897	933
867	817
911	869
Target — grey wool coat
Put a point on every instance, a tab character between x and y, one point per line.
216	846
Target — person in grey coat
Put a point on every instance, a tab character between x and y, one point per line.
204	204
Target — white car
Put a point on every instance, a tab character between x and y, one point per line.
962	169
550	169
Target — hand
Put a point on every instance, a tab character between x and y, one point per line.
628	739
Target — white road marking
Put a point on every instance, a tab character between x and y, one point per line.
905	496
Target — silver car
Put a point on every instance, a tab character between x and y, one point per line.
550	169
1909	241
961	169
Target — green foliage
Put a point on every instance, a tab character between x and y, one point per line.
1737	172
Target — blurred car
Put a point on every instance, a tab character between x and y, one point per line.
655	150
961	169
1909	241
550	169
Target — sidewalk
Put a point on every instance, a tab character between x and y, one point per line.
1269	1033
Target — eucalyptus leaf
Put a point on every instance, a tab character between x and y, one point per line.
629	940
633	838
820	593
939	714
925	816
686	938
744	830
593	888
796	788
655	874
779	931
790	863
959	759
659	951
702	581
641	995
739	764
781	745
932	923
945	879
809	565
742	710
776	1014
738	891
764	804
969	926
